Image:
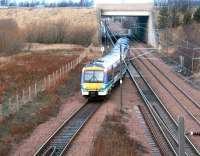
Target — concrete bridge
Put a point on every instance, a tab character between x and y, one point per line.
142	11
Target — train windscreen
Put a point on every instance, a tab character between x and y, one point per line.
93	76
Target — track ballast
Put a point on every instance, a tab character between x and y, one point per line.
60	141
167	125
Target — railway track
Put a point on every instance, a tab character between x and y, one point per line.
164	120
60	141
149	120
190	106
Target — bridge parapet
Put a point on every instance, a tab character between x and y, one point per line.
125	6
130	8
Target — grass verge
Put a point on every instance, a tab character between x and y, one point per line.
19	126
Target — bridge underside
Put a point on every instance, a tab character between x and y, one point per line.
143	29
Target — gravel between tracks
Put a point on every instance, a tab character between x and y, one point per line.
83	143
168	100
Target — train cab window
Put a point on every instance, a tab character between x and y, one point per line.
93	76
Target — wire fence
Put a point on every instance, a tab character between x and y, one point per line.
12	104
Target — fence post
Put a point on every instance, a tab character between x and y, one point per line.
78	59
9	106
17	101
54	82
35	89
63	69
29	93
49	80
56	75
23	96
60	73
66	68
45	82
1	112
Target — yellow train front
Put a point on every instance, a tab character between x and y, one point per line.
95	81
100	76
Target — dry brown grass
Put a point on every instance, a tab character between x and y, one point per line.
20	125
28	16
11	37
113	140
20	71
72	25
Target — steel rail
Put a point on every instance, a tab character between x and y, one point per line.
61	139
175	98
149	120
191	149
151	110
180	89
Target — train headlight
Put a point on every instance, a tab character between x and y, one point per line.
103	87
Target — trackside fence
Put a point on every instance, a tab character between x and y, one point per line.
11	104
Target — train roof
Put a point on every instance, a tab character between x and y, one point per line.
113	57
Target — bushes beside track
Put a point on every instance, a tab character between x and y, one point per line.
60	31
11	37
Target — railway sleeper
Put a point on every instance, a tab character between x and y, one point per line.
163	146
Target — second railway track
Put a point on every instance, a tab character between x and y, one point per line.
166	123
188	106
60	141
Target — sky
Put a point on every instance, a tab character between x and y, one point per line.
121	1
98	1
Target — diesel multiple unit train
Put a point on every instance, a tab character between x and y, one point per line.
101	75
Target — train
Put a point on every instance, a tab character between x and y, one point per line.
100	76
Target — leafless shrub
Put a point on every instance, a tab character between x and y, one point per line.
60	31
11	38
187	38
46	32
